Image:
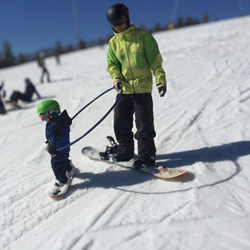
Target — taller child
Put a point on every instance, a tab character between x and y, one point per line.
133	55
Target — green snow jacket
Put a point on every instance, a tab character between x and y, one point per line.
132	55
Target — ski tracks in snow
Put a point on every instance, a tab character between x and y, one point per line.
201	126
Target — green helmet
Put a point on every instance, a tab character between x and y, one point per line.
48	107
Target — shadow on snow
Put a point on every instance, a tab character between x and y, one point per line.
123	178
225	152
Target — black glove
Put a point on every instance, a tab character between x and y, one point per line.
162	91
52	149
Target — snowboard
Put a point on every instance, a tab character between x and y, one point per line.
10	103
157	171
65	188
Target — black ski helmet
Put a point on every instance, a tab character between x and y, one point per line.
116	11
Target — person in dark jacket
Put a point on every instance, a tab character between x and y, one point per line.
57	135
27	96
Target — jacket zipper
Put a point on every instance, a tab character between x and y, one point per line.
129	63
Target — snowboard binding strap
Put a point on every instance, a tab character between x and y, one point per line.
110	150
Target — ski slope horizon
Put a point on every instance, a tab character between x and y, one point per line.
201	125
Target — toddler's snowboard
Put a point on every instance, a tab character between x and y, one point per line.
158	171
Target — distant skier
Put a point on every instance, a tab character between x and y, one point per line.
27	96
57	134
41	64
57	56
133	55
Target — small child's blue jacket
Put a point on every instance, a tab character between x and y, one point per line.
57	131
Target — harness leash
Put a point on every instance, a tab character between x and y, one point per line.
117	100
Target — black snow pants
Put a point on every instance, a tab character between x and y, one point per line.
60	164
2	109
17	95
45	71
142	106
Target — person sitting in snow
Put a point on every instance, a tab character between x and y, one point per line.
27	96
57	135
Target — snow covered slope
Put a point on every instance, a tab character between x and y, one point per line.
202	125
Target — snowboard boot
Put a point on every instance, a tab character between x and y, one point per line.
143	163
57	188
118	158
72	171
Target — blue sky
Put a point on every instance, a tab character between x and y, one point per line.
33	25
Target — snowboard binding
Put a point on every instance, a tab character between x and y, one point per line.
110	150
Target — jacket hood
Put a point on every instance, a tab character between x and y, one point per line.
63	119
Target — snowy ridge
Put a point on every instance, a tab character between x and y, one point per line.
202	126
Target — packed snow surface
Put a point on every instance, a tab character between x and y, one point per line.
202	125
